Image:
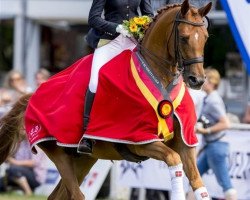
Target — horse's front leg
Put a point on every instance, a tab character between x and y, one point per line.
188	157
159	151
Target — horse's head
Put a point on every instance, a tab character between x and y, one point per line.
176	40
192	36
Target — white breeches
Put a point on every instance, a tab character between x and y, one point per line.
105	53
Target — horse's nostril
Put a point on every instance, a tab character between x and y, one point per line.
195	82
193	79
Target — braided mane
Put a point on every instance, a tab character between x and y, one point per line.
163	9
160	11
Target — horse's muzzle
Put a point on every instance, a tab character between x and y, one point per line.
195	82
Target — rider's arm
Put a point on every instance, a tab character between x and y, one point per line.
146	8
95	18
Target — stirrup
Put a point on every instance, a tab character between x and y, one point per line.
85	146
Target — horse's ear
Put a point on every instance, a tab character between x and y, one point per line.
204	10
184	8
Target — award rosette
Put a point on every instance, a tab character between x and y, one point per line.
165	108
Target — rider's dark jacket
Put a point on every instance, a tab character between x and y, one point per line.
106	15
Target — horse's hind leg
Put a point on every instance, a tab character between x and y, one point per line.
64	165
82	164
59	189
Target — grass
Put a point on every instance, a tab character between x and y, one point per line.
12	196
15	196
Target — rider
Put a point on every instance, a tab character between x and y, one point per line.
104	36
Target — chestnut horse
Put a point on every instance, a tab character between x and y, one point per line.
173	45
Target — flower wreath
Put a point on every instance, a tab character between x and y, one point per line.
137	26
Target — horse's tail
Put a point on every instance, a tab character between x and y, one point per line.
10	126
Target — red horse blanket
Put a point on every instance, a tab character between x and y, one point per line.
124	108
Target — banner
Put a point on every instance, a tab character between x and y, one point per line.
239	169
95	178
151	174
238	15
155	175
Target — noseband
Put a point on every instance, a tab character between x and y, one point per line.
182	62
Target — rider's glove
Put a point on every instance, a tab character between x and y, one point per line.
123	31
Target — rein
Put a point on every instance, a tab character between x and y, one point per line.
182	62
157	58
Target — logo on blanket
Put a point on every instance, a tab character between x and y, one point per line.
33	133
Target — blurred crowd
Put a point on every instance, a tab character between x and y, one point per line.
15	85
23	170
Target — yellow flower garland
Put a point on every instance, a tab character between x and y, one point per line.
137	26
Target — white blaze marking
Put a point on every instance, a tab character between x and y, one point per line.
196	36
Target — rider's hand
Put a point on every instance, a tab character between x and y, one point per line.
123	31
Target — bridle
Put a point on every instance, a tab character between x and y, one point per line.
182	62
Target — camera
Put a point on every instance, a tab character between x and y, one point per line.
204	121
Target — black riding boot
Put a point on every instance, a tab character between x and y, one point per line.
85	145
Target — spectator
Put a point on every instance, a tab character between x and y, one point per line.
5	101
215	122
25	169
197	97
41	76
16	84
246	118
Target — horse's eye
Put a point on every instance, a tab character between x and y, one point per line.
184	39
